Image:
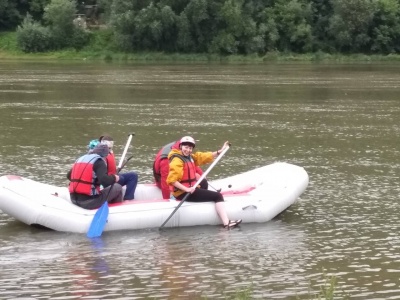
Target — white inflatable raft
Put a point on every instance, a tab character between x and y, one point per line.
254	196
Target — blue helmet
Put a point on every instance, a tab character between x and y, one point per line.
92	144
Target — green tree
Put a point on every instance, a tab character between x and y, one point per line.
293	19
321	14
36	8
104	8
268	29
385	27
59	16
229	26
236	30
122	21
12	12
169	22
350	24
199	25
10	17
177	6
34	37
185	42
148	28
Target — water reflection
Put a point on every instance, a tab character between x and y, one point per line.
87	268
193	262
176	264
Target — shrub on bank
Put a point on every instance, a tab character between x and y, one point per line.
33	37
100	47
80	38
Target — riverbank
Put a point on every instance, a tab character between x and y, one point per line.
99	50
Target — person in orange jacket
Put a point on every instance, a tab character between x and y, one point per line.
161	169
182	177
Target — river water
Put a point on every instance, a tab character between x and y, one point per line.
338	121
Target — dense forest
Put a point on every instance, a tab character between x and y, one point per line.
207	26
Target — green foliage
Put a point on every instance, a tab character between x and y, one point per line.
104	9
293	18
268	30
59	15
243	294
101	40
327	291
215	27
148	28
10	16
169	36
385	27
60	32
236	30
33	37
122	19
8	41
36	8
198	27
229	27
349	29
224	43
12	12
153	27
185	42
321	14
80	38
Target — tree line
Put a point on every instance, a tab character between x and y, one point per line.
211	26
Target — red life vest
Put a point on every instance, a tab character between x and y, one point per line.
189	170
111	165
83	178
162	154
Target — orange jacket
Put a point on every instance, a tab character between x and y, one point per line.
177	167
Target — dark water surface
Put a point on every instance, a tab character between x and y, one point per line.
340	122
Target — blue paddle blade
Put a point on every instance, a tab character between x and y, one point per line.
99	221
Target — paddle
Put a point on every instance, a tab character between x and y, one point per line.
123	165
219	190
197	183
128	142
100	217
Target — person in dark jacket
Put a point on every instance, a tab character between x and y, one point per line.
127	179
87	175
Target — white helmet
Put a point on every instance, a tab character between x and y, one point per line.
187	140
